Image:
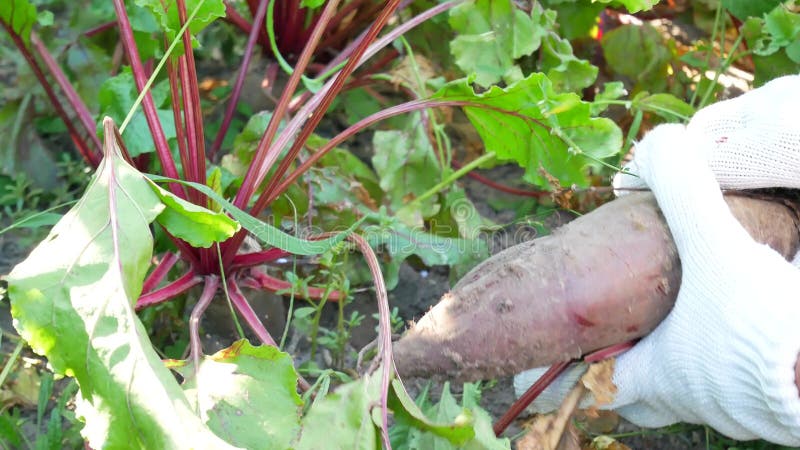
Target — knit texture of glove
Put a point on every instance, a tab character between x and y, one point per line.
751	141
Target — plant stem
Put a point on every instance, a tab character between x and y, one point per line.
529	396
196	347
265	155
488	156
714	30
263	281
252	38
501	187
245	260
84	116
169	291
327	98
11	361
20	222
150	112
158	274
91	156
725	64
227	294
302	115
250	317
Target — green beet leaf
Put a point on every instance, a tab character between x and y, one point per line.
770	60
194	224
264	231
547	133
611	91
407	167
117	94
743	9
247	395
343	420
633	5
665	105
491	35
73	300
409	416
445	425
565	70
402	241
637	52
311	3
19	16
783	28
209	10
557	60
581	17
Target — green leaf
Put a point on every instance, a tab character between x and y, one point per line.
343	420
407	412
209	11
545	132
793	51
194	224
611	91
491	35
73	301
637	52
117	95
45	18
743	9
783	27
245	143
37	220
633	6
770	61
470	427
19	16
402	241
565	70
247	395
11	429
581	17
264	231
666	105
343	188
214	181
406	165
311	3
357	104
301	313
463	213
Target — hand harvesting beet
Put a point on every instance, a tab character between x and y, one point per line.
726	354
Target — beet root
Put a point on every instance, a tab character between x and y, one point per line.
605	278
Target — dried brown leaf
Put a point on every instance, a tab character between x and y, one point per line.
547	432
598	380
409	72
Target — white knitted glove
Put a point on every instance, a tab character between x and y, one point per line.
751	141
725	356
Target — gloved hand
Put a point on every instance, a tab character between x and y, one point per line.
725	356
751	141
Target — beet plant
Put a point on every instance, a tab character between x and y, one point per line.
75	297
